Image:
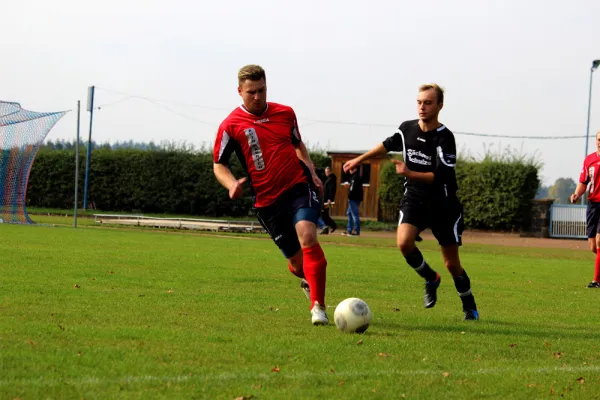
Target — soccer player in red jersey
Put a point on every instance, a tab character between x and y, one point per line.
590	176
284	185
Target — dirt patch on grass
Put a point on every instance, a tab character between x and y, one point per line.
504	239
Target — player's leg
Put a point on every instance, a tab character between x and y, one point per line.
408	230
592	227
592	244
307	209
595	283
280	226
448	228
462	283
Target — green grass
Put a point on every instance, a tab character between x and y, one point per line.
60	216
106	313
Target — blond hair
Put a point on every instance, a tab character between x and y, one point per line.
251	72
437	88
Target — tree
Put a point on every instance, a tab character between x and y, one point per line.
542	192
562	190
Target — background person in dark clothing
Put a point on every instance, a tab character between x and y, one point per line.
355	196
330	183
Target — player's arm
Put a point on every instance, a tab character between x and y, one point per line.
224	146
581	187
374	152
302	153
579	191
402	169
392	143
226	178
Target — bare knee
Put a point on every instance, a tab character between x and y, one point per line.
307	233
308	238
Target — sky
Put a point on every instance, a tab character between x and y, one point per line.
167	71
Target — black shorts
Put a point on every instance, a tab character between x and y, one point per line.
592	217
445	219
300	203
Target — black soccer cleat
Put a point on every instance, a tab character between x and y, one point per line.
594	285
430	297
471	315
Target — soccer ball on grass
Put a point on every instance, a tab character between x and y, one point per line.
352	316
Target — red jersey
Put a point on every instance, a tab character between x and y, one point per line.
265	145
591	174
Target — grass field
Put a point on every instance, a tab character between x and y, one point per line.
107	313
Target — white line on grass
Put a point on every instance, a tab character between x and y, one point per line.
92	380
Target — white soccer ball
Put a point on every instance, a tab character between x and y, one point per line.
352	316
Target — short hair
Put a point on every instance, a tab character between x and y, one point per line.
251	72
437	88
597	133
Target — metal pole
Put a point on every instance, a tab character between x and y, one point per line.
587	132
90	108
77	164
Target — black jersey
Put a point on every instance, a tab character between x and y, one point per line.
432	151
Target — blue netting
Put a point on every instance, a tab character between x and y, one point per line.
21	134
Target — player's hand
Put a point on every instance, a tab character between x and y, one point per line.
401	167
237	189
348	165
574	198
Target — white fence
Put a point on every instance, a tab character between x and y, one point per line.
567	221
179	223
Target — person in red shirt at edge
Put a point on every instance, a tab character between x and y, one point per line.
284	185
590	175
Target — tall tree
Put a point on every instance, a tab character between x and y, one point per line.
562	190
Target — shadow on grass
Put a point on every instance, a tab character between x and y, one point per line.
491	327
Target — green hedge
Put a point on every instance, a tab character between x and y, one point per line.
496	193
163	181
170	181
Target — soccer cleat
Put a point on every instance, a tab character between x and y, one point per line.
471	315
333	229
318	314
346	233
305	288
430	297
594	284
325	231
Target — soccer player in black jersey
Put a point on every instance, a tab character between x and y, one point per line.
429	198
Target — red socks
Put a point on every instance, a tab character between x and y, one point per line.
315	266
597	269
